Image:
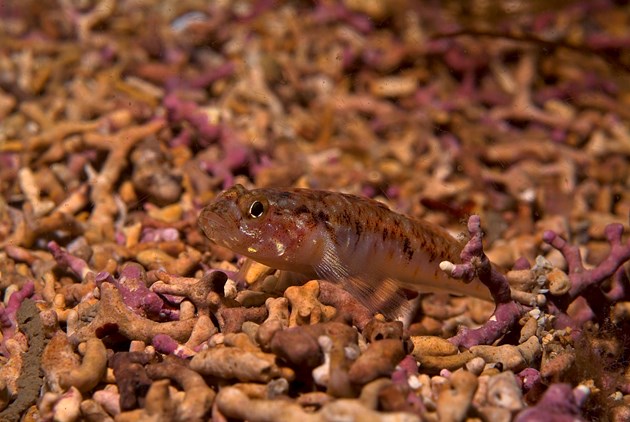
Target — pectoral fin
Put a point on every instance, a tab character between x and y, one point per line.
378	294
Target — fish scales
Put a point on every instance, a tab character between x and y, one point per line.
373	251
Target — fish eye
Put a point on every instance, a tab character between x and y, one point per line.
256	209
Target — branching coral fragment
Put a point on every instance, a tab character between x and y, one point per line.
131	378
581	278
236	363
68	261
476	264
8	314
305	308
206	293
198	396
456	397
333	295
278	319
132	287
379	360
560	403
113	315
91	371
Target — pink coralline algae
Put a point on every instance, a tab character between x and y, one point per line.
132	287
476	264
8	313
560	403
120	121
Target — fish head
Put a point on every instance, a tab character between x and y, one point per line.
270	226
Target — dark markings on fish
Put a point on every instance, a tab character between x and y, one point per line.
407	249
302	209
322	216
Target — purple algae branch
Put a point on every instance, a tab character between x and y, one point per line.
8	313
582	278
508	311
475	263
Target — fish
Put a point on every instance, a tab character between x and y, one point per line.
375	253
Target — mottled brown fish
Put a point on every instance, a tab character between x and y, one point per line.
373	251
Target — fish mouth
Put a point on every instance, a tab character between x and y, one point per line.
216	223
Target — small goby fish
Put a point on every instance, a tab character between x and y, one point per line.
373	251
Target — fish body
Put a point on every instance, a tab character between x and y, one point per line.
373	251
